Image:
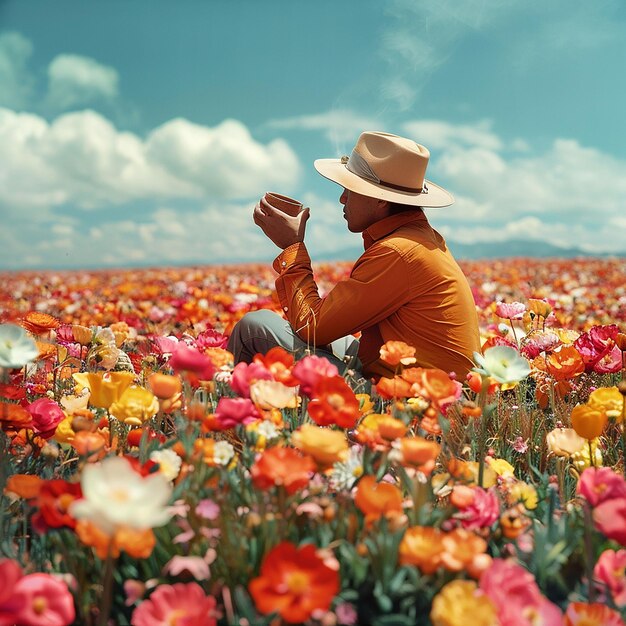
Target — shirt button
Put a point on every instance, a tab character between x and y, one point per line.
285	308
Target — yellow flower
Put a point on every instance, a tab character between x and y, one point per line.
135	406
105	388
588	421
489	476
64	432
564	441
609	400
459	599
501	467
581	459
270	394
365	403
326	446
524	493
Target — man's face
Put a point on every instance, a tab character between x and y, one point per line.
362	211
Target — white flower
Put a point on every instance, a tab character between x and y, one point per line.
503	363
169	462
344	474
223	452
267	429
16	347
115	495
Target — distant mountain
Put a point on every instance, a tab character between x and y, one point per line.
491	250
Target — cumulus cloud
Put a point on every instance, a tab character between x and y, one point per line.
75	80
339	125
16	83
81	158
440	135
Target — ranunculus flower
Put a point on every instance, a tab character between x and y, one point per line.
48	601
326	446
14	417
610	571
588	421
186	359
39	323
135	406
176	605
419	453
16	347
114	495
609	400
47	415
231	412
211	338
280	364
54	499
564	441
310	369
482	511
597	484
510	310
375	499
565	363
246	373
270	394
503	364
294	582
282	467
422	546
164	386
433	384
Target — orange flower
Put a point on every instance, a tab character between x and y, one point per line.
422	546
48	350
397	352
82	334
279	362
365	403
324	445
284	467
136	543
334	403
219	357
434	384
588	421
419	453
377	499
14	417
396	387
25	486
39	323
164	386
91	445
539	308
608	399
391	428
514	521
464	550
583	614
565	363
295	582
475	383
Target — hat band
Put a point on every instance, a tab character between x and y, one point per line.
361	168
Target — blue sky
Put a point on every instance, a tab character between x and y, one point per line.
142	133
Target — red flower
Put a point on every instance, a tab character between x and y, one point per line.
295	583
47	415
284	467
211	339
279	362
54	500
334	403
186	359
309	370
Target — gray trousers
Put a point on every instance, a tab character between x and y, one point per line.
260	331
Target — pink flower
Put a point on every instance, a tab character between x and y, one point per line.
517	598
211	339
310	369
510	310
245	374
208	509
176	605
610	519
535	344
610	571
599	484
346	614
610	363
482	511
47	415
186	359
12	602
48	601
134	590
165	345
194	565
233	411
598	345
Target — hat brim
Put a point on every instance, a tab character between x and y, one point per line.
335	170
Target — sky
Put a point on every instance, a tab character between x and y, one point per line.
142	132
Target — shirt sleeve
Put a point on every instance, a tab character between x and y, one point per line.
377	287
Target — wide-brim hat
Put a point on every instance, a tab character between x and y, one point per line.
388	167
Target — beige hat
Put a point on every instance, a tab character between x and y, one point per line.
388	167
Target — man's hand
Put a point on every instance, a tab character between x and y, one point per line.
281	228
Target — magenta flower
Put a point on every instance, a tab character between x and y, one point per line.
186	359
596	344
310	369
597	485
609	518
482	511
610	571
47	415
245	374
231	412
176	605
510	310
211	339
12	602
48	601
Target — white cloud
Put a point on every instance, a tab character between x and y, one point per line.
75	80
16	83
81	158
339	125
439	135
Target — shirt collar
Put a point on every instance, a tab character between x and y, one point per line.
386	226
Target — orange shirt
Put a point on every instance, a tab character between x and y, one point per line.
405	287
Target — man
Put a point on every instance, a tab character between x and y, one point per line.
405	287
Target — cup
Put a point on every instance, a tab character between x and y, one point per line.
283	203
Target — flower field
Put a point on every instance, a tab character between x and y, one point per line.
147	480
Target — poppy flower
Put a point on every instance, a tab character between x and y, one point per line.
397	353
595	614
422	546
376	499
16	347
279	363
295	583
53	502
282	467
565	363
309	370
588	421
334	403
105	387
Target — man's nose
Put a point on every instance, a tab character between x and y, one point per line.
344	196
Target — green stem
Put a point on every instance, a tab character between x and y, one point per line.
589	553
591	459
482	440
107	586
